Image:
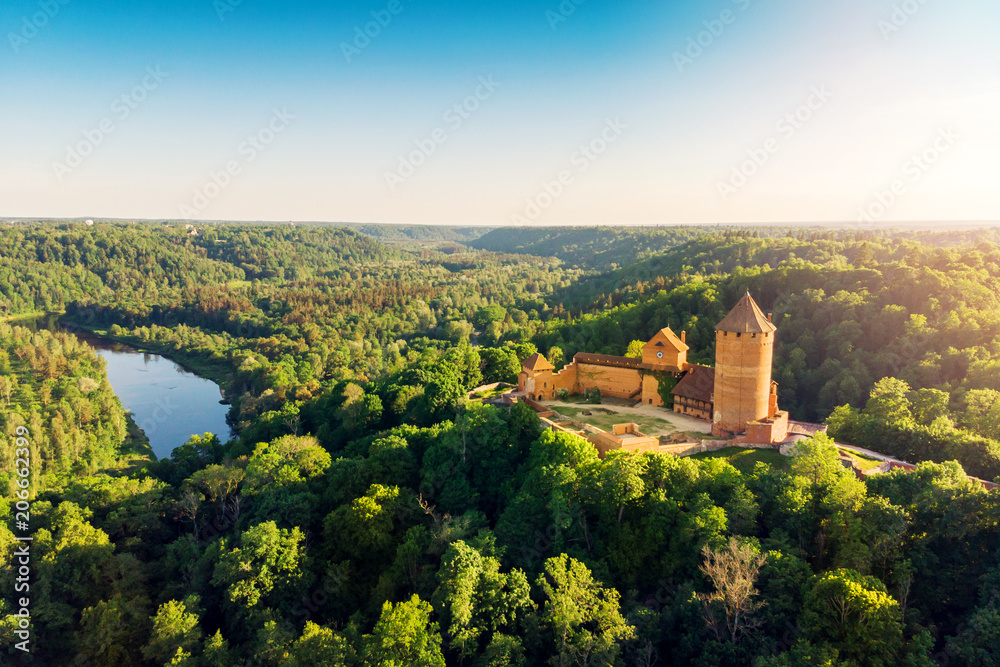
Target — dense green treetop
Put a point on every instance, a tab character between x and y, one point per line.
370	512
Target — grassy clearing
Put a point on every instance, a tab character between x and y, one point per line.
575	398
744	460
23	316
605	419
492	393
863	461
136	443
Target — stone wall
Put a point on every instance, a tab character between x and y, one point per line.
606	442
491	387
684	449
578	377
612	381
651	390
543	385
692	448
766	432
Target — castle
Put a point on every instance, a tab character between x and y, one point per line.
738	395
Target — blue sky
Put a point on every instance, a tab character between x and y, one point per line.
597	113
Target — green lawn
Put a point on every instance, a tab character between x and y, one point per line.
605	418
575	398
744	460
14	319
492	393
863	461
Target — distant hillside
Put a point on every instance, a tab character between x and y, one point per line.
44	266
612	248
852	308
588	247
419	232
386	232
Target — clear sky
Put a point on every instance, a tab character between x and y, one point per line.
601	112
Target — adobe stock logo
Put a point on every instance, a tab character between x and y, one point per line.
248	151
582	159
31	26
363	35
714	29
223	7
787	127
455	117
122	108
566	9
913	170
901	15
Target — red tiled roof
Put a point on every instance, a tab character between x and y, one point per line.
607	360
698	384
537	362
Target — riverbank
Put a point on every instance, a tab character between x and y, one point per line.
217	372
169	396
23	317
136	443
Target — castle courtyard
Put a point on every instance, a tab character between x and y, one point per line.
654	421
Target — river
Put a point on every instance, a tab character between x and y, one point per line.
167	402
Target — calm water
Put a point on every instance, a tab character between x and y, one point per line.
168	403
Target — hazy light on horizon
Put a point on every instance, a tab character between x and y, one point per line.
538	138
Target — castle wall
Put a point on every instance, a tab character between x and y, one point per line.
543	385
691	448
565	379
768	432
612	381
742	380
651	391
577	378
606	442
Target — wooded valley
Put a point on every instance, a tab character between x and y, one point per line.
370	513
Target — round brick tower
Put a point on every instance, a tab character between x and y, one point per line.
744	354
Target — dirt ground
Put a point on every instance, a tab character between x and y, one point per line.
650	418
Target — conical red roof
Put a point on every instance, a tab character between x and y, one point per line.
746	317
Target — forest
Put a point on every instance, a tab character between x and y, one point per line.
369	512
